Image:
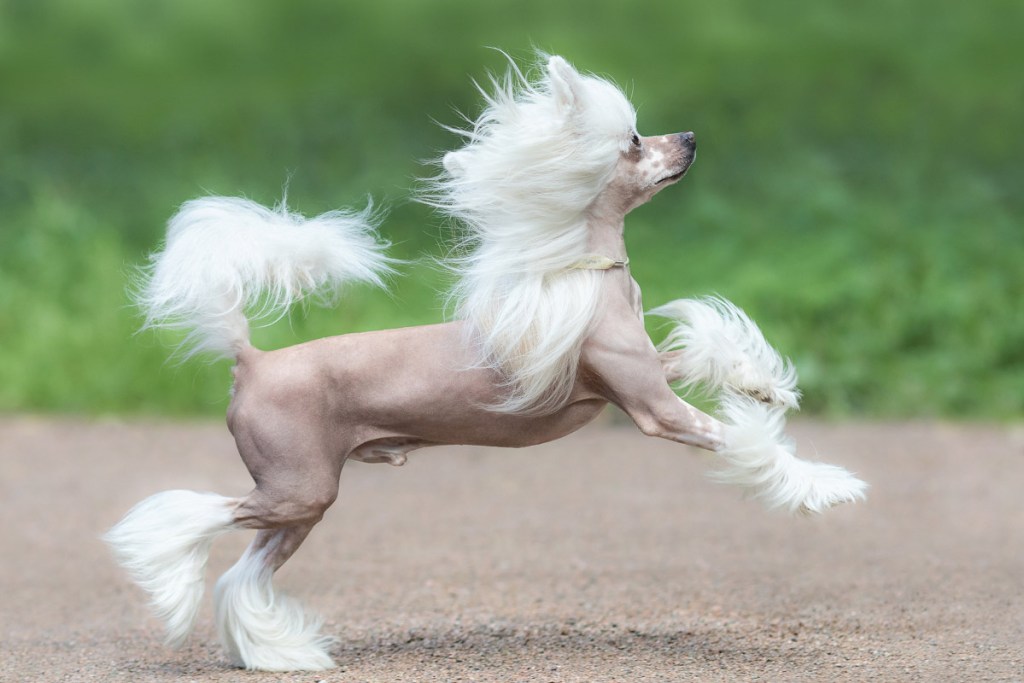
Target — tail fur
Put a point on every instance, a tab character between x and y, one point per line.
225	255
163	543
716	346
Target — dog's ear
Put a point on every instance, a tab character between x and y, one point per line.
564	82
453	164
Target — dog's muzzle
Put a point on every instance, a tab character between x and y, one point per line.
688	143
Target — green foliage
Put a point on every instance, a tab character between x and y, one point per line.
858	187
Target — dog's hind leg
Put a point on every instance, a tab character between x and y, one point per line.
296	463
260	628
163	543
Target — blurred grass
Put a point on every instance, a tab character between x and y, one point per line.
858	188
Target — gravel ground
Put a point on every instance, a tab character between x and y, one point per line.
603	557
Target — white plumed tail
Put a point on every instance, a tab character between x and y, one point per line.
716	346
224	255
163	543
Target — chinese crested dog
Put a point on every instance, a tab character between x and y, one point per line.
548	330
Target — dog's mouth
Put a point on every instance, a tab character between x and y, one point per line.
672	178
669	179
678	175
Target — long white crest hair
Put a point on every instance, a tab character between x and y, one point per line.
535	159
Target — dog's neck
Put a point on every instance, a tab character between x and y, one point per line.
605	234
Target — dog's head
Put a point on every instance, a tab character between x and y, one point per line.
649	165
643	166
551	149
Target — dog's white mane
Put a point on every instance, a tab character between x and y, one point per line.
534	160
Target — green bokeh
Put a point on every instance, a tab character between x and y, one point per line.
858	188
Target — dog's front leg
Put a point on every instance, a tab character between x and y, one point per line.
620	363
625	368
665	415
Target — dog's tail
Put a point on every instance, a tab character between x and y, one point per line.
717	347
225	255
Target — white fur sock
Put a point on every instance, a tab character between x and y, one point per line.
760	459
715	344
263	630
163	543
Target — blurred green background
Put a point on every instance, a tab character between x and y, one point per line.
858	188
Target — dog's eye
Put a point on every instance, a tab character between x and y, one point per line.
636	140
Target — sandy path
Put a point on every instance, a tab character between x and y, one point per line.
604	557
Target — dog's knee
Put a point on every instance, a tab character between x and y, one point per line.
263	511
649	425
680	422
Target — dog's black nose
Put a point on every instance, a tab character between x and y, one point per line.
688	139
